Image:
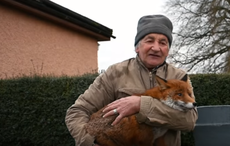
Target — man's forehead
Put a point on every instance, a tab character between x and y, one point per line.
156	36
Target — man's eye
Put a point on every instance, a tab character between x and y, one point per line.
163	43
149	40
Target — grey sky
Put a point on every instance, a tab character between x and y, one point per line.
119	15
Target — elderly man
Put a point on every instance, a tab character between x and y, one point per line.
117	85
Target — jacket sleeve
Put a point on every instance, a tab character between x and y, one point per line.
98	95
155	113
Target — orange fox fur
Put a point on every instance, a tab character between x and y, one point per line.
128	132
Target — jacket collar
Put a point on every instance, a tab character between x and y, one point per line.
141	64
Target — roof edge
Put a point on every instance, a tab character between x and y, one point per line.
51	8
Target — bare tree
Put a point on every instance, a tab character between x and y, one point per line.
201	35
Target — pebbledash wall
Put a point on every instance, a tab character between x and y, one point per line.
32	44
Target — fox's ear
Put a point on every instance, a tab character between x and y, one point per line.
161	82
185	78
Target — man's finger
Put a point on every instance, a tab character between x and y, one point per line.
107	109
111	112
117	120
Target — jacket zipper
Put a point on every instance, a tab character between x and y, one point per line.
153	72
151	79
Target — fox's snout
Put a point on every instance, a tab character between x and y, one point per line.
189	105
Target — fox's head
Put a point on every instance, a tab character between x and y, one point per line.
177	94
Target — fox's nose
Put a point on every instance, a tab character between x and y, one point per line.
194	104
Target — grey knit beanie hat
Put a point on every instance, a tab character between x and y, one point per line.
154	24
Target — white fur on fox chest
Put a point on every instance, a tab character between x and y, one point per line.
178	104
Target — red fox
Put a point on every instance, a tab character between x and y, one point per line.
128	132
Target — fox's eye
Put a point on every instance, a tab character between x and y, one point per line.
179	94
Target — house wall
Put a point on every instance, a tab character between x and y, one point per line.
32	45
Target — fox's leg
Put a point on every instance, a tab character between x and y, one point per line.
160	141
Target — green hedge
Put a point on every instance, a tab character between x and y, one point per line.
212	89
32	109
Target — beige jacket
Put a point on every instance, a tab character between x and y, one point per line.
125	79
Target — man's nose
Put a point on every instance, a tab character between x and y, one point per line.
155	47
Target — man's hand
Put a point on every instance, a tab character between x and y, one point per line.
123	107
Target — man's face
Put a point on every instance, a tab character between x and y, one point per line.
153	50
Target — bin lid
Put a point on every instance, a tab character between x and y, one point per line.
213	114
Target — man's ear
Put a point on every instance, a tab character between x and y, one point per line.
137	49
161	82
185	78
